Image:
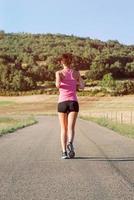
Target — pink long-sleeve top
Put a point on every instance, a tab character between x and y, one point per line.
67	87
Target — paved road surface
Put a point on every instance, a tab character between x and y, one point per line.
31	168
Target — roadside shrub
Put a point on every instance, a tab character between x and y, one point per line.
91	83
31	92
108	81
124	88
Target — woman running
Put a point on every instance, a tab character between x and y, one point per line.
68	81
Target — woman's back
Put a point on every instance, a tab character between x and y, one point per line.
68	85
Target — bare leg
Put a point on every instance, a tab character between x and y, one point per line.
71	125
63	124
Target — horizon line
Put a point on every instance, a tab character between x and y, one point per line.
65	34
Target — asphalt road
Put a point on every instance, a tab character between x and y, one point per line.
31	167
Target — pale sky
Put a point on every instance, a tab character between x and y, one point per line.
97	19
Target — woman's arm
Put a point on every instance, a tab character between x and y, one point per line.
80	82
58	79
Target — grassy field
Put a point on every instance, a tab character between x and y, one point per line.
45	104
92	107
5	103
11	124
123	129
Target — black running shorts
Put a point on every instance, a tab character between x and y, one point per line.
68	106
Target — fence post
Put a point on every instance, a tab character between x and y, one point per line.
111	116
116	117
121	118
131	117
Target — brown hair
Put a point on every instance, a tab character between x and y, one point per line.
66	58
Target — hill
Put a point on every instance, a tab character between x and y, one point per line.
28	60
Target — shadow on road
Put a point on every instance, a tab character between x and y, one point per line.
105	158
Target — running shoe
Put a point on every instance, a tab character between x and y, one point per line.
70	148
64	155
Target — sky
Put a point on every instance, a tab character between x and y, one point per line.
97	19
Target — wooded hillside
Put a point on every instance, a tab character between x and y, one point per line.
27	59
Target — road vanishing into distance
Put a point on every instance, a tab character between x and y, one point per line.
31	167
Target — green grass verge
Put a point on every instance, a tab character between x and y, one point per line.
123	129
6	103
11	124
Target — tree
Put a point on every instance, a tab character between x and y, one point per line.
108	81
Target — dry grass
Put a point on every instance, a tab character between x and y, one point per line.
47	104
